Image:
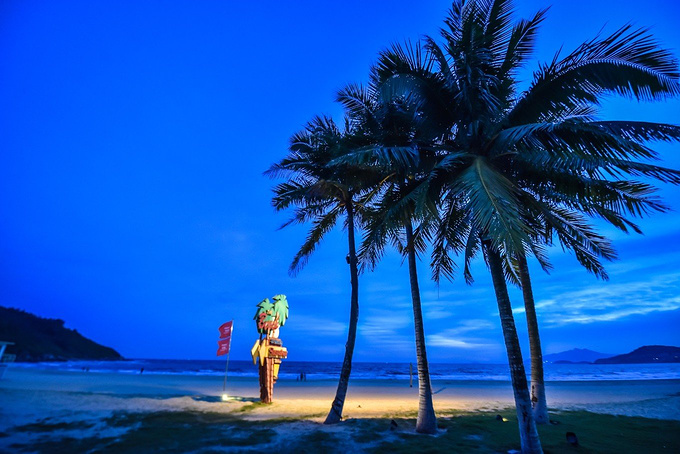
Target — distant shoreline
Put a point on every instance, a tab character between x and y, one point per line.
380	372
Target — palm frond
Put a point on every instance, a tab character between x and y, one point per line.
321	227
629	63
492	201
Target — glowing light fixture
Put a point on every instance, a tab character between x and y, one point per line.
225	397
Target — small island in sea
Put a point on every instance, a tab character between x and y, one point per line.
575	356
649	354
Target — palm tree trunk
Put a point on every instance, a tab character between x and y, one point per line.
527	426
335	414
427	421
538	400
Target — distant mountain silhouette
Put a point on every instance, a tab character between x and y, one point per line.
46	339
646	354
576	355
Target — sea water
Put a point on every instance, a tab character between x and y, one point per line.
291	370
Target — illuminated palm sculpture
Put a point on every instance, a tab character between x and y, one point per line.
269	317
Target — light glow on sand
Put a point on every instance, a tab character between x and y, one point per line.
225	397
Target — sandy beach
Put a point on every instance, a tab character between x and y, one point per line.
77	405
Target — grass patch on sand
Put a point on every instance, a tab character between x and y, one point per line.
185	431
46	426
62	445
597	433
157	432
315	442
252	406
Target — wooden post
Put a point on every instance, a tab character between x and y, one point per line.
267	381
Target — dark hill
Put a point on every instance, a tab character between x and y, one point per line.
46	339
575	356
646	354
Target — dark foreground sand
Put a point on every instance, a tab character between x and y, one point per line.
50	411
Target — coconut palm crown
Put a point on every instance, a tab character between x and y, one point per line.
397	146
321	193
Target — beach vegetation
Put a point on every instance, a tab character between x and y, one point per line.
46	425
251	406
482	432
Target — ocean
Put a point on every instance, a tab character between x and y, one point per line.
290	370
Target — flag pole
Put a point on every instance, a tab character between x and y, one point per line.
226	369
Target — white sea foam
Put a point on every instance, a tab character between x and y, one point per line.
315	371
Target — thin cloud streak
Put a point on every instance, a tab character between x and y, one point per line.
609	302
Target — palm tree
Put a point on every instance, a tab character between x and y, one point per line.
538	398
322	193
394	219
396	132
540	151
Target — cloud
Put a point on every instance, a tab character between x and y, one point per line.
451	304
392	331
467	326
438	340
455	297
378	325
384	287
606	302
320	326
435	310
653	228
644	262
455	337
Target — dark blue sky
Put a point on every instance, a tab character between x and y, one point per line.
133	137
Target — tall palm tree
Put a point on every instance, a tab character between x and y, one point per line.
396	133
394	219
540	151
322	193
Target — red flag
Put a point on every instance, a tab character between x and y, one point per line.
225	329
223	346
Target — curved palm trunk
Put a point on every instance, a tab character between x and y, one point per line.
527	426
335	414
538	400
427	421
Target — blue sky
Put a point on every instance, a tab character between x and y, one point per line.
133	137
